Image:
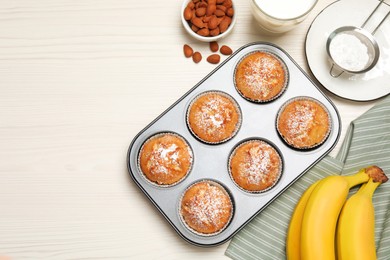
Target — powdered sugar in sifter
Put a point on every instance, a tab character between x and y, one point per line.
353	49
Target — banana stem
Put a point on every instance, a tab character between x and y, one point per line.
369	188
357	178
365	174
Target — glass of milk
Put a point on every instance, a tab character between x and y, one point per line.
278	16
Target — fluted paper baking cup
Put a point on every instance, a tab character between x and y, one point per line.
302	125
259	164
224	190
286	77
156	136
237	110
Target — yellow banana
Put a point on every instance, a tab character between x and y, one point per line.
355	229
294	229
321	214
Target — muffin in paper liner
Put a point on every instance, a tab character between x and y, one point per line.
303	123
165	159
206	208
255	165
261	76
214	117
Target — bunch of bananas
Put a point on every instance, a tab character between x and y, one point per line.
325	225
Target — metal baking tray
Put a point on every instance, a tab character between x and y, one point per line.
211	161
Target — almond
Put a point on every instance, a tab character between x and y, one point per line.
194	28
211	9
191	5
200	11
212	2
230	12
213	23
202	4
219	20
197	57
226	50
206	19
187	13
220	1
193	14
222	8
219	13
188	51
214	58
214	32
203	32
224	24
198	22
214	46
228	3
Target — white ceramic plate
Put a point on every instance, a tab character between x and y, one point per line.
359	87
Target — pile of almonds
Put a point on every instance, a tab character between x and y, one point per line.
213	58
209	17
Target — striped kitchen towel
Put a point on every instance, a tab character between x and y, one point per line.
367	142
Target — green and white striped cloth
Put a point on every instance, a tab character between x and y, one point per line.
367	142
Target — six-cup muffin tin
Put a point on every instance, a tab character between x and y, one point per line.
210	161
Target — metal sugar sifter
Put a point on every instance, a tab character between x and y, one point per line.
353	49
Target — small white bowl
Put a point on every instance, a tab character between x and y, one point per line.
206	38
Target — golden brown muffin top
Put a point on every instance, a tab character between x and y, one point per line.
206	208
214	117
304	123
260	76
255	166
165	159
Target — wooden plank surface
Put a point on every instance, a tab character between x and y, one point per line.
78	80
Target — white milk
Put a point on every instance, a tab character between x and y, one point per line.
279	16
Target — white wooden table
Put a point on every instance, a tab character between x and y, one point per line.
78	80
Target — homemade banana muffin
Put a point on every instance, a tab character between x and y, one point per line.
214	117
303	123
260	77
165	159
255	166
206	208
